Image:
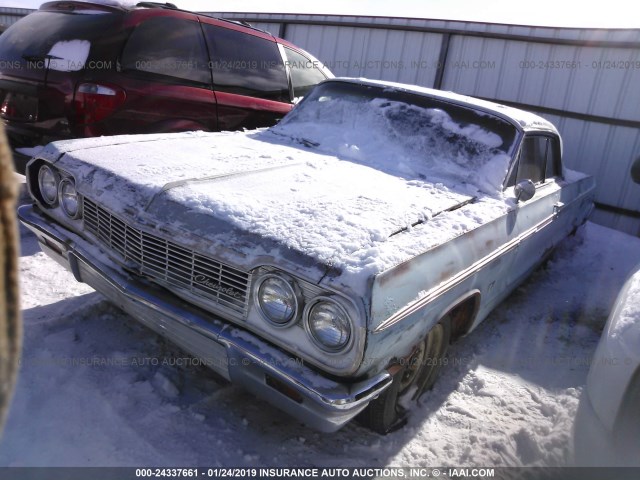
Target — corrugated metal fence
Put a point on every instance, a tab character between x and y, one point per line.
9	16
586	81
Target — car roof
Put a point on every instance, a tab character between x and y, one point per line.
72	5
129	5
521	119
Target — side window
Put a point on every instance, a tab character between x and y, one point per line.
553	167
305	73
246	64
532	161
170	47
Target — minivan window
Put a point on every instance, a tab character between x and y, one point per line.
167	46
25	44
305	73
246	64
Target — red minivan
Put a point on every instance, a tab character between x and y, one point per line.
84	69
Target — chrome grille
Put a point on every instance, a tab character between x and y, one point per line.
167	263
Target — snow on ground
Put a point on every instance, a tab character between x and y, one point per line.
98	389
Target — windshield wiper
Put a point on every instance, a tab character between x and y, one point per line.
450	209
35	58
39	58
308	143
304	141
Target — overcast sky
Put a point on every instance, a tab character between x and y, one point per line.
572	13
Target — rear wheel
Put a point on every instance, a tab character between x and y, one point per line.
385	414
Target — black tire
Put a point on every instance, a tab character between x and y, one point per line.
440	337
384	414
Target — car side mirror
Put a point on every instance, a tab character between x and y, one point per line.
635	171
524	190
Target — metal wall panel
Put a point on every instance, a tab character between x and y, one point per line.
591	80
575	79
9	16
487	29
392	55
617	221
271	27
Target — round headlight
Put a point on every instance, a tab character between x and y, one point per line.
277	300
328	325
68	197
48	184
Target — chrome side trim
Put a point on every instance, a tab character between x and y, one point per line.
461	276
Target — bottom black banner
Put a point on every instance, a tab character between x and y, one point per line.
383	473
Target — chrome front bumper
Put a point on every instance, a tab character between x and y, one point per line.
236	354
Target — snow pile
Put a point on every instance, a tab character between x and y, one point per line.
523	423
406	140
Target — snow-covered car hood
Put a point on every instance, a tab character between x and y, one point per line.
249	195
252	195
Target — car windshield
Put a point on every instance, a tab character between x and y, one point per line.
406	134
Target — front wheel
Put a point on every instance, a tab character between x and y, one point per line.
437	344
415	376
